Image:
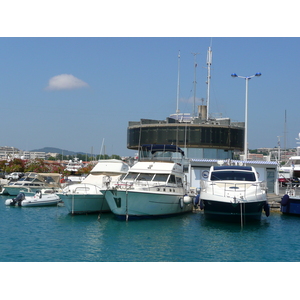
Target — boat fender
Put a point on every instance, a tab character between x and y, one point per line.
11	202
196	202
285	200
201	204
181	203
267	209
187	199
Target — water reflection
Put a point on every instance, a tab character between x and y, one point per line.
234	227
52	234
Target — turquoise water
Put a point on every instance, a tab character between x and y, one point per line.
50	234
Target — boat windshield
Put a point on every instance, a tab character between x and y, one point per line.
161	177
23	179
145	177
131	176
233	175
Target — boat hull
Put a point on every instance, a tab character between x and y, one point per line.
290	205
85	203
134	204
45	200
15	190
233	212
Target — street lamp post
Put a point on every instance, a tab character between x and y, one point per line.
247	78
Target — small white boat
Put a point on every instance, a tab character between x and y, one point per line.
39	199
156	186
234	194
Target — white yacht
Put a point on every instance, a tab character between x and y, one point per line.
86	197
233	193
34	182
74	165
292	166
156	186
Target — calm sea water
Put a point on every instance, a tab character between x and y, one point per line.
51	234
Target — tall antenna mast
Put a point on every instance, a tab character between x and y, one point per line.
285	133
195	82
178	81
278	148
209	62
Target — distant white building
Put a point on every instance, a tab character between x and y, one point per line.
12	152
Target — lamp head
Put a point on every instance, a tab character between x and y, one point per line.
234	75
258	74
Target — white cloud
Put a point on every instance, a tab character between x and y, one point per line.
65	82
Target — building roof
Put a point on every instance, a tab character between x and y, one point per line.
235	162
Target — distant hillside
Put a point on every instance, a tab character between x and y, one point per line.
56	150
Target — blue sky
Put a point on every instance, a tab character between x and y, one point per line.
61	90
72	93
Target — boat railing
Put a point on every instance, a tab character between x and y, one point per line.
235	190
124	185
145	185
292	190
82	188
129	185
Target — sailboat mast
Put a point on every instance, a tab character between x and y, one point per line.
209	62
285	132
178	82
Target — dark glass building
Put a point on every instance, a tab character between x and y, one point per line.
211	139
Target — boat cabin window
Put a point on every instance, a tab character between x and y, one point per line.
233	175
81	189
145	177
172	179
121	177
161	177
131	176
37	180
179	181
49	179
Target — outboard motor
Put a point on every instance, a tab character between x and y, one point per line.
20	197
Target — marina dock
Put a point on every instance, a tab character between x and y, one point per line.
274	201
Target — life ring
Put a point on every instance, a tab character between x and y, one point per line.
267	209
181	203
285	200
